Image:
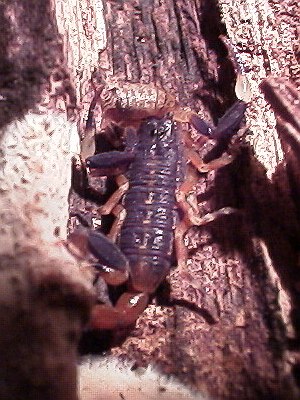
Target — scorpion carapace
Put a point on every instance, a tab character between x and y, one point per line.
126	104
151	210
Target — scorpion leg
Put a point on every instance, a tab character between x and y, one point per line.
183	226
196	220
193	218
180	248
120	213
114	199
191	213
201	166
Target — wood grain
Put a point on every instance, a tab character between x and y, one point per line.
243	269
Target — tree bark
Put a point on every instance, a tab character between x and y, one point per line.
240	267
242	271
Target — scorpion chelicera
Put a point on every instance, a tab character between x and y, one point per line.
154	215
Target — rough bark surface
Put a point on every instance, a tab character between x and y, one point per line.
238	268
243	269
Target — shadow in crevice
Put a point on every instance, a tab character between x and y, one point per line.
211	28
268	213
285	104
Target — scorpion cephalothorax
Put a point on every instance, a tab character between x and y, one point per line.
126	104
153	178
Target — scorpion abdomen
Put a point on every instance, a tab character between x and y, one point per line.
147	233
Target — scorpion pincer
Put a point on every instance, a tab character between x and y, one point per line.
154	215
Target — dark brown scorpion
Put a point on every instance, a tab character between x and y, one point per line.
155	215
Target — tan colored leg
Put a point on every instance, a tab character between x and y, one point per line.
186	192
209	217
180	248
201	166
120	213
189	213
182	227
194	158
186	189
114	199
191	216
183	115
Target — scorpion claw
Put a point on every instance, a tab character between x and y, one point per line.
109	164
227	124
230	122
112	263
107	252
200	125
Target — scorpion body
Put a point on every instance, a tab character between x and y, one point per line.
146	236
150	205
127	104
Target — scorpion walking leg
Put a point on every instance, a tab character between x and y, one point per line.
209	217
114	199
180	248
120	213
194	158
201	166
183	226
191	216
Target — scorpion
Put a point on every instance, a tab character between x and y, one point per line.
154	173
